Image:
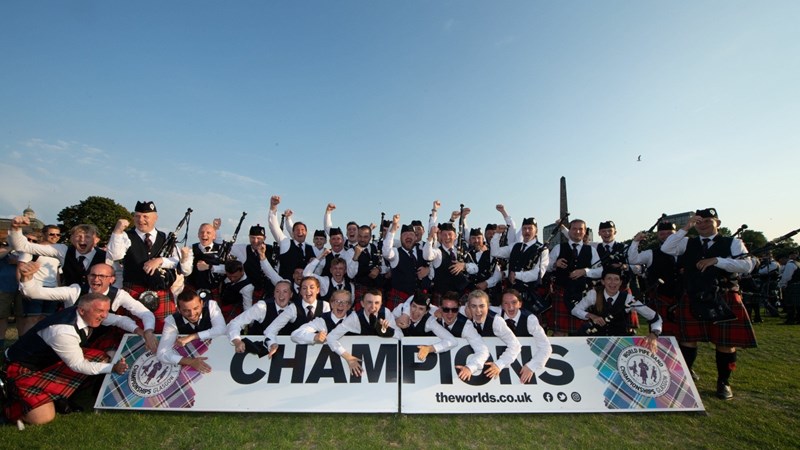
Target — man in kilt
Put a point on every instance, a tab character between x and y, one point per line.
49	362
574	265
711	264
140	251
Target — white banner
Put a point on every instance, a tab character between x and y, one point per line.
298	378
602	374
583	375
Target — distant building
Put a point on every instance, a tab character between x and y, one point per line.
36	224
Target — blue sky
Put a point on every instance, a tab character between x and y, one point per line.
388	105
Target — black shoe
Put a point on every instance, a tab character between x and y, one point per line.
694	375
724	391
66	406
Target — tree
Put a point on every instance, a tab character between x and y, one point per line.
754	240
102	212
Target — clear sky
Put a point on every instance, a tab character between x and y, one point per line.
387	105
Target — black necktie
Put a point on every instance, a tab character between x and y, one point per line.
373	319
148	242
575	251
608	249
524	246
511	324
309	314
706	244
85	333
280	311
413	257
609	302
208	248
81	261
478	328
452	254
339	287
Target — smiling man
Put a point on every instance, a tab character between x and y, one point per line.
101	279
711	264
50	361
194	320
373	319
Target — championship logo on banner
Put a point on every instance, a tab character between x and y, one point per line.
636	378
298	378
602	374
149	383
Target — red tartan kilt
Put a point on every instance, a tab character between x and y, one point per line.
166	304
735	333
32	389
258	294
229	312
395	298
562	319
661	304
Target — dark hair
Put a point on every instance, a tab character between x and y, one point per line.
513	292
187	295
233	266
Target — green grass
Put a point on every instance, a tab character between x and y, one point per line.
765	413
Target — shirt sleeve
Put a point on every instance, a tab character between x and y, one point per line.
289	315
256	313
675	244
543	349
446	339
166	353
513	346
308	331
637	257
118	246
135	307
64	340
480	351
351	324
67	294
588	300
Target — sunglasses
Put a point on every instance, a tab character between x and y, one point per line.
449	310
33	241
54	234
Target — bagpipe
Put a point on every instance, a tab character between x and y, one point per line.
162	279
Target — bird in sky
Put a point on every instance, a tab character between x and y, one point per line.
639	159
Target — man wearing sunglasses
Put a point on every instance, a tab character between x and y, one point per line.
458	325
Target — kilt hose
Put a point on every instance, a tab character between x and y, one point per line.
30	389
166	304
735	333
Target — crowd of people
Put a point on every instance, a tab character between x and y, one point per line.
391	280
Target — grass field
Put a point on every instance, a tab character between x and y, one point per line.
765	413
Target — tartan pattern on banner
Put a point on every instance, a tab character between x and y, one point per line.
166	304
118	392
620	395
735	333
33	389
